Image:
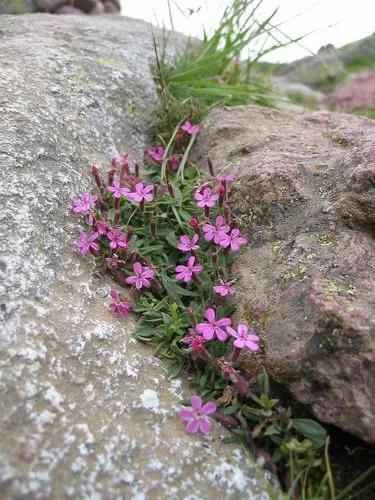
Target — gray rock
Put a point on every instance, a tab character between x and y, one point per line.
330	66
86	411
305	197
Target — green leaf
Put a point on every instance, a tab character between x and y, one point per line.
174	290
312	430
144	332
272	429
231	409
174	370
264	382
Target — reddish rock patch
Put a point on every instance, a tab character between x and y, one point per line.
305	197
356	94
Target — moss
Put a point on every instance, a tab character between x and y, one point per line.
368	113
17	7
339	139
300	274
360	62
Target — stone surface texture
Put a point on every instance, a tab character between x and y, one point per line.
85	410
305	197
357	94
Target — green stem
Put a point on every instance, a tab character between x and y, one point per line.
329	472
165	159
131	216
181	168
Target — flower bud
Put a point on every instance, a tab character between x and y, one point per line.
136	169
210	165
227	421
194	223
222	192
129	235
170	189
117	218
111	176
196	279
124	172
95	173
226	213
153	228
191	316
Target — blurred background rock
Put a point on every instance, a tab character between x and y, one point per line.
79	7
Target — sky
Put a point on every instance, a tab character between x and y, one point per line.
322	21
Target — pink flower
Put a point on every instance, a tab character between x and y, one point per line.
141	193
223	289
190	129
101	226
196	416
195	341
112	261
207	198
117	190
186	244
156	153
117	239
243	338
120	161
186	272
142	275
224	178
83	205
87	242
121	307
214	326
234	239
215	232
174	162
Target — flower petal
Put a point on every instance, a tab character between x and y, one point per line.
205	425
196	402
192	426
137	267
186	414
209	407
209	314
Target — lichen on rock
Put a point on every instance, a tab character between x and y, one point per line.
86	410
305	197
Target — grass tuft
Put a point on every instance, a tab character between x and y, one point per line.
211	73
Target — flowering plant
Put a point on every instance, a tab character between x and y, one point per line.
168	241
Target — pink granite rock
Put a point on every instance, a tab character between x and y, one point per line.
356	94
305	198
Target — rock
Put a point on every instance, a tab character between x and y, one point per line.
357	94
68	10
76	7
17	7
330	66
305	196
321	71
85	6
86	411
295	94
51	5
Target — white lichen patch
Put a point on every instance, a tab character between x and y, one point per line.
150	400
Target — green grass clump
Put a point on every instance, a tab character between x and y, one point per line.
211	74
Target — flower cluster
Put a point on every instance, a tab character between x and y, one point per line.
201	246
